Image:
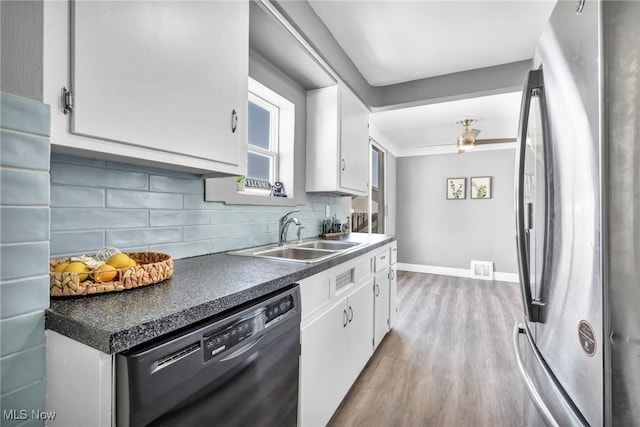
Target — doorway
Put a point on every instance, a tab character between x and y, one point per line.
368	213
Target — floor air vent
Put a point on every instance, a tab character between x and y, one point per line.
482	270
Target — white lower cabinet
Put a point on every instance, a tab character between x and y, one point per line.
393	295
359	334
320	365
337	331
382	295
393	285
335	348
79	383
381	292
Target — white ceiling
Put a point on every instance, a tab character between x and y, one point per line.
397	41
408	130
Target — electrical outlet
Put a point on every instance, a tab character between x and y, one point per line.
327	211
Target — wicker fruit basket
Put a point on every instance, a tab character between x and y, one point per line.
152	267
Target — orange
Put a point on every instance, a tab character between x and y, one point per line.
80	268
119	260
60	267
104	273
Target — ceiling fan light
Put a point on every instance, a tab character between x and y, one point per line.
465	144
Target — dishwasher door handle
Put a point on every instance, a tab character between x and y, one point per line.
239	352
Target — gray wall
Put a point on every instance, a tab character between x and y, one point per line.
24	253
434	231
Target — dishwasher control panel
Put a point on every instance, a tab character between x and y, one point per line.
278	308
221	340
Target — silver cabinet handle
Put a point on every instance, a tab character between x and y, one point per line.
377	290
234	121
532	87
344	164
350	314
345	318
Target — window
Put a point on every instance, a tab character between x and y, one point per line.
262	160
271	129
271	122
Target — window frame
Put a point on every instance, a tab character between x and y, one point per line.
281	139
290	172
272	153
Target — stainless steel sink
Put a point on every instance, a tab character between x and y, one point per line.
332	245
308	251
296	254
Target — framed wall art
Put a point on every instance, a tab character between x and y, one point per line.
481	187
456	188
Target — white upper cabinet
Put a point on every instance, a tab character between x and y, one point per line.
337	142
162	83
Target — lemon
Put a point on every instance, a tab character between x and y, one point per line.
60	267
119	260
80	268
104	273
132	262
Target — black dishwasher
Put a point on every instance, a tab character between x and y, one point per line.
239	369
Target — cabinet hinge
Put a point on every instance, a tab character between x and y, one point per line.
67	101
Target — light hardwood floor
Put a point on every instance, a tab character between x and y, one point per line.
448	362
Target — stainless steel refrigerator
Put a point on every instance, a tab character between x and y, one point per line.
578	219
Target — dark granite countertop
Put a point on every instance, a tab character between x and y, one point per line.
200	287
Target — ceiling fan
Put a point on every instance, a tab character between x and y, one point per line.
468	140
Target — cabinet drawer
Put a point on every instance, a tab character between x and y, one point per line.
363	269
382	260
315	292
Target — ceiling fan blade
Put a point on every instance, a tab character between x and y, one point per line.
435	145
471	135
495	140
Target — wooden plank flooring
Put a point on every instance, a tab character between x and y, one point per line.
448	362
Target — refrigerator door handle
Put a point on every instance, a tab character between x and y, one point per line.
532	87
531	388
568	407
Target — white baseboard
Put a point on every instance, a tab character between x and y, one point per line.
451	271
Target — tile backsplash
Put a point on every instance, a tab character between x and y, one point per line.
24	256
97	203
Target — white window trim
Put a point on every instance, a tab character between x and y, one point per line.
274	125
282	138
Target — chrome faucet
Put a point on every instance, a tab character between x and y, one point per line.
283	225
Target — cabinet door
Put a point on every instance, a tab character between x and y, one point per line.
164	75
393	295
360	332
323	366
354	143
381	291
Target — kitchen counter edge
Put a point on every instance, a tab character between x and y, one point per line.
90	320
